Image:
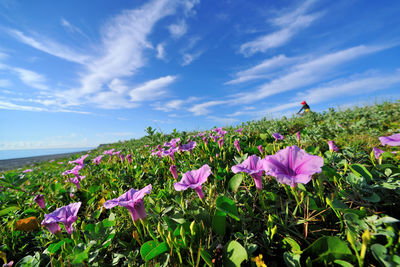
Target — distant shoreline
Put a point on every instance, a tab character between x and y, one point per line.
9	164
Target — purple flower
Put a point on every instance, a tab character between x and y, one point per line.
293	165
260	148
205	140
27	170
377	152
239	130
129	158
187	147
74	171
97	160
133	201
237	145
117	153
298	136
109	152
76	180
174	171
194	179
253	165
122	157
221	142
39	199
332	146
393	140
277	136
79	161
170	152
65	215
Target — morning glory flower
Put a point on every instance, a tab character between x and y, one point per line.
133	201
194	179
277	136
205	140
253	165
332	146
65	215
393	140
237	145
221	142
377	152
260	148
39	199
76	180
174	171
187	147
129	158
79	161
27	170
109	152
293	165
298	136
97	160
239	130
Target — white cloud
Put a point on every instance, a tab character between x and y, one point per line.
161	51
31	78
178	30
203	108
12	106
265	69
51	47
66	24
289	24
175	104
306	73
188	58
151	90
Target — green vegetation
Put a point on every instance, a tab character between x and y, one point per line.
346	215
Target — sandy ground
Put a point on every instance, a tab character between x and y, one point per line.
9	164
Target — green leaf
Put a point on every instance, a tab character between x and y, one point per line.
291	260
53	248
219	222
328	249
206	257
361	171
234	253
28	261
147	247
227	206
8	210
343	263
152	249
235	182
293	244
80	257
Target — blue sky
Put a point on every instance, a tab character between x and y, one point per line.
80	73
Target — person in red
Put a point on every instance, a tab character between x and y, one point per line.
306	108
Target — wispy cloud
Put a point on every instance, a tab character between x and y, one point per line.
188	58
11	106
152	89
50	47
175	104
31	78
66	24
307	73
288	24
223	120
161	51
203	108
5	83
265	69
178	29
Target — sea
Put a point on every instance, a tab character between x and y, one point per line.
23	153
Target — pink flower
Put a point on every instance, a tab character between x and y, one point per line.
133	201
27	170
277	136
129	158
109	152
79	161
239	131
253	165
174	171
393	140
237	145
332	146
260	148
293	165
39	199
194	179
65	215
97	159
298	136
220	143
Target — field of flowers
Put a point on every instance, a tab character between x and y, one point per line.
322	189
